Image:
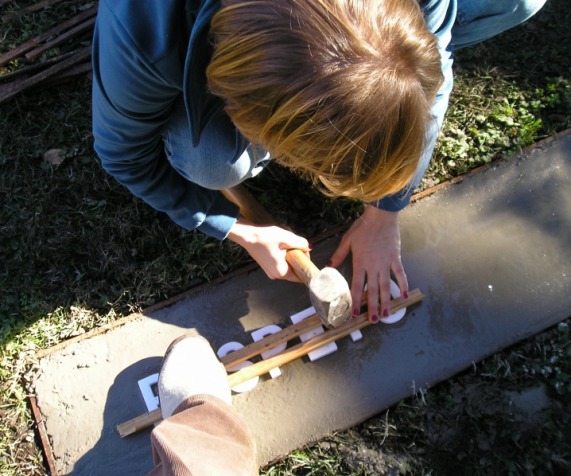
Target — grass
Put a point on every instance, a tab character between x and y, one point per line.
78	251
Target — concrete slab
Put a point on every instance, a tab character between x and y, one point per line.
491	253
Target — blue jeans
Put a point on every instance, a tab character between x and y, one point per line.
456	24
478	20
209	164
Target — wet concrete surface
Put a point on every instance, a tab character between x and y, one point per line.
492	254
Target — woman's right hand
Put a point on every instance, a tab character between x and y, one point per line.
268	246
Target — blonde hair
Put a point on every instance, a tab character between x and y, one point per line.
340	90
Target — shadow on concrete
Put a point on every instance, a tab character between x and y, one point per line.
112	454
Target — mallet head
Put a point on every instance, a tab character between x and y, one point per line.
331	297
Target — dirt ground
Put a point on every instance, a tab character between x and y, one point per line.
509	414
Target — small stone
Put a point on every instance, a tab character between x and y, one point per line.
55	156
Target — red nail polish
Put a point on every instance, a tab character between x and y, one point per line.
329	263
386	313
405	295
355	312
374	319
310	246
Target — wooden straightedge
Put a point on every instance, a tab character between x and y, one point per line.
264	366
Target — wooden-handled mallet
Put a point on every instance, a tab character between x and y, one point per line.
328	289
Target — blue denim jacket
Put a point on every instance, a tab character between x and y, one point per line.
146	53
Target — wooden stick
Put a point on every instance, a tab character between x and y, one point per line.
28	45
269	342
147	419
76	70
308	324
32	8
304	348
11	89
250	208
27	70
43	434
81	28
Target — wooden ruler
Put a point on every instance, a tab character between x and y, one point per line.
264	366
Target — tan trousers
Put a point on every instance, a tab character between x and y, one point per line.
204	436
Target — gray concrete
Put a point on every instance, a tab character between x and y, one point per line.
491	253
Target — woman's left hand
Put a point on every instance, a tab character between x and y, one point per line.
374	241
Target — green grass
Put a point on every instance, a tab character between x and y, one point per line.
78	251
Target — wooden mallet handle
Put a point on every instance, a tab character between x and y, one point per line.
301	265
250	208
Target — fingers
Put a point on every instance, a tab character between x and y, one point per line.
268	246
291	276
340	254
400	276
357	286
281	270
385	291
291	241
373	298
364	275
378	289
286	241
276	267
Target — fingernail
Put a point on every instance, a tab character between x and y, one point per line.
386	313
405	295
355	312
329	263
310	246
374	319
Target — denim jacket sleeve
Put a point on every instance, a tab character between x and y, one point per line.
132	96
440	16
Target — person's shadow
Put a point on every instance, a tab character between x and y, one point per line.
221	313
112	454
